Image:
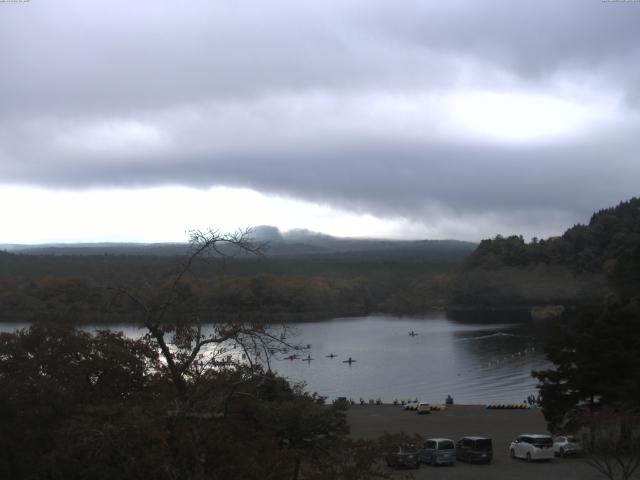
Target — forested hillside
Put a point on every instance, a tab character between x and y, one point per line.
85	286
582	264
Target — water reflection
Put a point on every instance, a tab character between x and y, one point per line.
474	362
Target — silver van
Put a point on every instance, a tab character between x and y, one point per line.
438	451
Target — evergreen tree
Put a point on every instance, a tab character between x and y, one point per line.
596	357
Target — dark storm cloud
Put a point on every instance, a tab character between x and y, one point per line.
325	101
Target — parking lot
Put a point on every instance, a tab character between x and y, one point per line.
370	421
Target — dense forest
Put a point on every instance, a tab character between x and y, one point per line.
270	288
586	262
593	385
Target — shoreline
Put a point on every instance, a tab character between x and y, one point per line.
456	312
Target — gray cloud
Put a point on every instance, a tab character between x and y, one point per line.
345	103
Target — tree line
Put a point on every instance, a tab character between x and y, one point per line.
269	290
586	262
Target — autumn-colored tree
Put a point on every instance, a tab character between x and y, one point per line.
76	405
51	373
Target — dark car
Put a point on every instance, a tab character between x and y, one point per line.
474	450
405	456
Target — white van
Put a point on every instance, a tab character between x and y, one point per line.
532	446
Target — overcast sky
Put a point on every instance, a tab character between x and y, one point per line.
139	120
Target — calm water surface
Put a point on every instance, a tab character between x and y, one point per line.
476	363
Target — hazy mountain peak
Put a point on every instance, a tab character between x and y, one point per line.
301	234
266	233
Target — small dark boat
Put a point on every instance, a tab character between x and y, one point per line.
308	359
412	333
295	356
331	355
349	361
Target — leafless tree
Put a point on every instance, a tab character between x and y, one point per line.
612	445
175	327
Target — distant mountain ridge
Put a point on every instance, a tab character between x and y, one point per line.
294	244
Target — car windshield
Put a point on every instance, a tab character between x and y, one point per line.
484	444
446	445
543	442
408	450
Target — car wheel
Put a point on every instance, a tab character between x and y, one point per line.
561	452
528	457
512	453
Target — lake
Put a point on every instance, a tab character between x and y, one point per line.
476	363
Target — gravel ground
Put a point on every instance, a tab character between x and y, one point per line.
502	426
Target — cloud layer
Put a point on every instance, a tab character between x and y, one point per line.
506	114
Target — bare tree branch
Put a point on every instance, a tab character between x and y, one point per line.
613	445
184	357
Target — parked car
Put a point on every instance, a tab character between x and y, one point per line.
438	451
532	446
405	456
567	445
412	405
474	450
423	408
